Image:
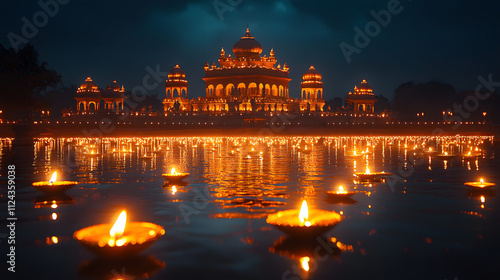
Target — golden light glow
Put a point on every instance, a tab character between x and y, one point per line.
341	190
305	263
367	171
53	178
482	181
55	240
54	216
119	226
174	189
482	199
173	172
304	214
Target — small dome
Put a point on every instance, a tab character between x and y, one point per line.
88	86
363	88
364	85
247	46
176	73
311	75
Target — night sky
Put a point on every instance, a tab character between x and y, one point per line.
449	41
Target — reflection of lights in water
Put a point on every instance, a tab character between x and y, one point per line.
174	189
54	216
54	205
482	199
445	162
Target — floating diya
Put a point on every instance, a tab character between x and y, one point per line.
470	156
146	156
304	222
121	239
445	156
368	175
174	176
479	185
340	193
54	186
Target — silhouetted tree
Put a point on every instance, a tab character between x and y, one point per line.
22	79
432	98
382	104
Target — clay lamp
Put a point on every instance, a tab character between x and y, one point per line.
53	186
120	239
174	176
304	222
481	185
445	156
340	193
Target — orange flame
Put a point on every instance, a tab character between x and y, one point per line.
173	171
304	214
53	178
119	226
481	180
367	171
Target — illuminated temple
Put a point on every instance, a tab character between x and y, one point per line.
246	82
362	99
90	98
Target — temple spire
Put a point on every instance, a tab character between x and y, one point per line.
247	33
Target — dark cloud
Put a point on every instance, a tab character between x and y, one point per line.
452	41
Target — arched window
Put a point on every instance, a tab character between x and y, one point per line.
184	94
252	89
229	89
280	90
219	90
241	89
268	89
274	90
81	106
210	90
92	106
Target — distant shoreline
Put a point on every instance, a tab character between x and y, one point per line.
66	130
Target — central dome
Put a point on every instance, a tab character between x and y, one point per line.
247	46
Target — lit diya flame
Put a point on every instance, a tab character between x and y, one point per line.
304	262
369	175
54	186
341	193
121	239
174	176
118	228
304	222
341	190
304	214
480	185
53	178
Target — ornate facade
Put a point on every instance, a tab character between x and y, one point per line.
89	98
311	91
246	82
176	90
362	100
